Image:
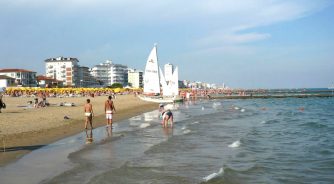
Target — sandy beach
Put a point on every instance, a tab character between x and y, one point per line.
24	128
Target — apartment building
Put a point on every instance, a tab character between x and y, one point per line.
135	78
108	73
64	69
119	74
85	77
101	72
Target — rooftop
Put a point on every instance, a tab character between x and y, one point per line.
14	70
61	58
42	77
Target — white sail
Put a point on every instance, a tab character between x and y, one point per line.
163	83
174	84
166	88
151	77
172	88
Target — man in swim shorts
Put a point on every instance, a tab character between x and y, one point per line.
109	108
88	109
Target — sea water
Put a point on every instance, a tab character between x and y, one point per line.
287	140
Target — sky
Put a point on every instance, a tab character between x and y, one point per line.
242	43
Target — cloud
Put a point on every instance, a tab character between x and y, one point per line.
233	38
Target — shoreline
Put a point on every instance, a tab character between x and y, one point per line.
22	143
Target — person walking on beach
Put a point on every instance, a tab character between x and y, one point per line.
1	103
88	108
109	108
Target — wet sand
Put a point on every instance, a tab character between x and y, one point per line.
24	128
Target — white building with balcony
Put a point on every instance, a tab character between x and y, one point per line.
101	72
108	73
135	78
119	74
85	78
22	77
64	69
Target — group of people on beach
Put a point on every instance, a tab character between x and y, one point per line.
109	109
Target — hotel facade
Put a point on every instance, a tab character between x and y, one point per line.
108	73
64	69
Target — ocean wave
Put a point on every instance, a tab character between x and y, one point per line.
272	121
187	131
216	105
196	122
144	125
214	175
235	144
314	125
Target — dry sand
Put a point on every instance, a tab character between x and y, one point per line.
24	128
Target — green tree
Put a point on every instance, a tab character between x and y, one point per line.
116	85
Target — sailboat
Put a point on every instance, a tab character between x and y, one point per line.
172	88
153	77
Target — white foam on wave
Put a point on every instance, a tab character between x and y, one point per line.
242	110
196	122
214	175
235	144
144	125
183	128
203	108
263	122
216	104
236	108
187	131
134	123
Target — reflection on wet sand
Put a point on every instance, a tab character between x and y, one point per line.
168	132
109	131
89	136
